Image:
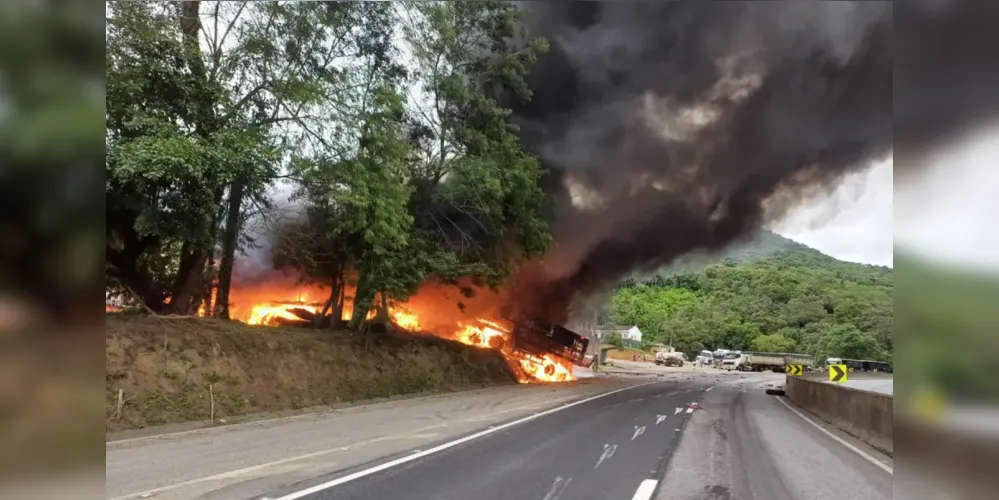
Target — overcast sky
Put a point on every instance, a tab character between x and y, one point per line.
854	223
949	214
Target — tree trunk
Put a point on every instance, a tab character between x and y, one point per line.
124	265
338	307
187	280
212	307
330	303
382	315
210	291
229	241
363	298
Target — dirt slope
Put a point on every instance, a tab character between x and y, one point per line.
172	369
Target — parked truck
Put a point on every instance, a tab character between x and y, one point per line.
805	360
668	357
763	361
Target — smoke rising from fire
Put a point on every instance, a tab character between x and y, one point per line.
670	127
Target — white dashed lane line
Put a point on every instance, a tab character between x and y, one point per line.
645	490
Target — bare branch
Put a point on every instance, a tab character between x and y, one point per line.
231	24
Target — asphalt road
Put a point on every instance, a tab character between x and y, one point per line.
880	385
249	460
599	439
747	445
601	449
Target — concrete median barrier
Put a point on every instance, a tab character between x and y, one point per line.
865	415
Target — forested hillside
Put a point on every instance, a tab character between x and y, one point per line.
769	294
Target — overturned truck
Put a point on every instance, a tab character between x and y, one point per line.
539	337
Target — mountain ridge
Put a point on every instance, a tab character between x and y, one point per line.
761	246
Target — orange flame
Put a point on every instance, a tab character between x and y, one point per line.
435	309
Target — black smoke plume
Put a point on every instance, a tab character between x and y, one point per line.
669	127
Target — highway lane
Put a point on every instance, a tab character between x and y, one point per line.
248	460
543	442
601	449
747	445
879	385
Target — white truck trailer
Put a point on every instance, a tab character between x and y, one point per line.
669	357
763	361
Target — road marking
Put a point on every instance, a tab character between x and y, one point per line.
690	410
660	418
645	490
223	475
638	432
609	450
678	410
437	449
558	487
247	470
841	441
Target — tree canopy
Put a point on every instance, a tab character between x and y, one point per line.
384	116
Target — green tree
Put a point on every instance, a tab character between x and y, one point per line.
431	183
847	341
773	343
205	103
476	198
616	340
649	308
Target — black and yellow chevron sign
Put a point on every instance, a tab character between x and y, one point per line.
837	373
794	370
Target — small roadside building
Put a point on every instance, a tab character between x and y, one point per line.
631	334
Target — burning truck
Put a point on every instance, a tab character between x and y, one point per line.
540	337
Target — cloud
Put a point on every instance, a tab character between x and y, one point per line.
853	223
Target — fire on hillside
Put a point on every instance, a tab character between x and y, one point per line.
535	351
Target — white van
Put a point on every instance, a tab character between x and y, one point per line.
705	358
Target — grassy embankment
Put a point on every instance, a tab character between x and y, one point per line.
171	370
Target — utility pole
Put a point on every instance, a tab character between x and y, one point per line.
595	341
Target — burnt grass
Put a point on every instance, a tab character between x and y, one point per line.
170	369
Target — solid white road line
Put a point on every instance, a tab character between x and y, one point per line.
883	466
437	449
645	490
